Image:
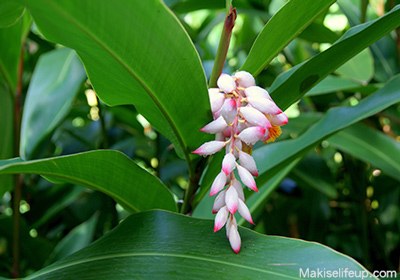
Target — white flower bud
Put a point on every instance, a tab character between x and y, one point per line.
226	83
244	79
231	200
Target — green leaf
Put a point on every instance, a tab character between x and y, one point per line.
333	84
108	171
359	68
135	52
162	245
77	239
10	12
277	155
55	82
279	31
371	146
318	32
293	84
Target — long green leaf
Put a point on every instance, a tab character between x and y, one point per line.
279	31
10	12
55	82
277	155
371	146
135	52
110	172
162	245
293	84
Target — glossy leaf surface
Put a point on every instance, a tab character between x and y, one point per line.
107	171
131	58
162	245
55	82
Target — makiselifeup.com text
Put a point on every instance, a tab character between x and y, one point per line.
345	273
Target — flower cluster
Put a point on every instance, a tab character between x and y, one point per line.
243	114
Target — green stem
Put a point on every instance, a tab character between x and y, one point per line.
17	194
194	180
364	7
223	45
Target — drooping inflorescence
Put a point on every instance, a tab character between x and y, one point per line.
243	115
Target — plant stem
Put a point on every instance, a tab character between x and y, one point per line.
364	7
223	45
17	194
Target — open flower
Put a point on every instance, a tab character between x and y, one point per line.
243	115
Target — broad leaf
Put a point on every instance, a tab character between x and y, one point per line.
55	82
277	155
293	84
360	68
162	245
135	52
110	172
371	146
10	12
279	31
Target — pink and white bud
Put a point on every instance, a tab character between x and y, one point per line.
238	187
230	222
228	163
279	120
229	110
264	105
218	184
245	212
257	92
215	126
226	83
252	134
219	202
247	178
216	99
244	79
231	200
209	148
255	117
220	218
247	161
234	239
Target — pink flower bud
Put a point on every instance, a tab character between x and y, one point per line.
209	148
218	184
244	79
238	187
279	120
226	83
264	105
244	212
229	110
230	222
220	218
234	239
257	92
231	200
247	161
252	134
216	99
215	126
255	117
219	202
228	163
246	178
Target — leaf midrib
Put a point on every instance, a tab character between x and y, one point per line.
157	254
130	71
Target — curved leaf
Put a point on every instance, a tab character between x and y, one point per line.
135	52
162	245
55	82
110	172
371	146
279	31
10	12
277	155
293	84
